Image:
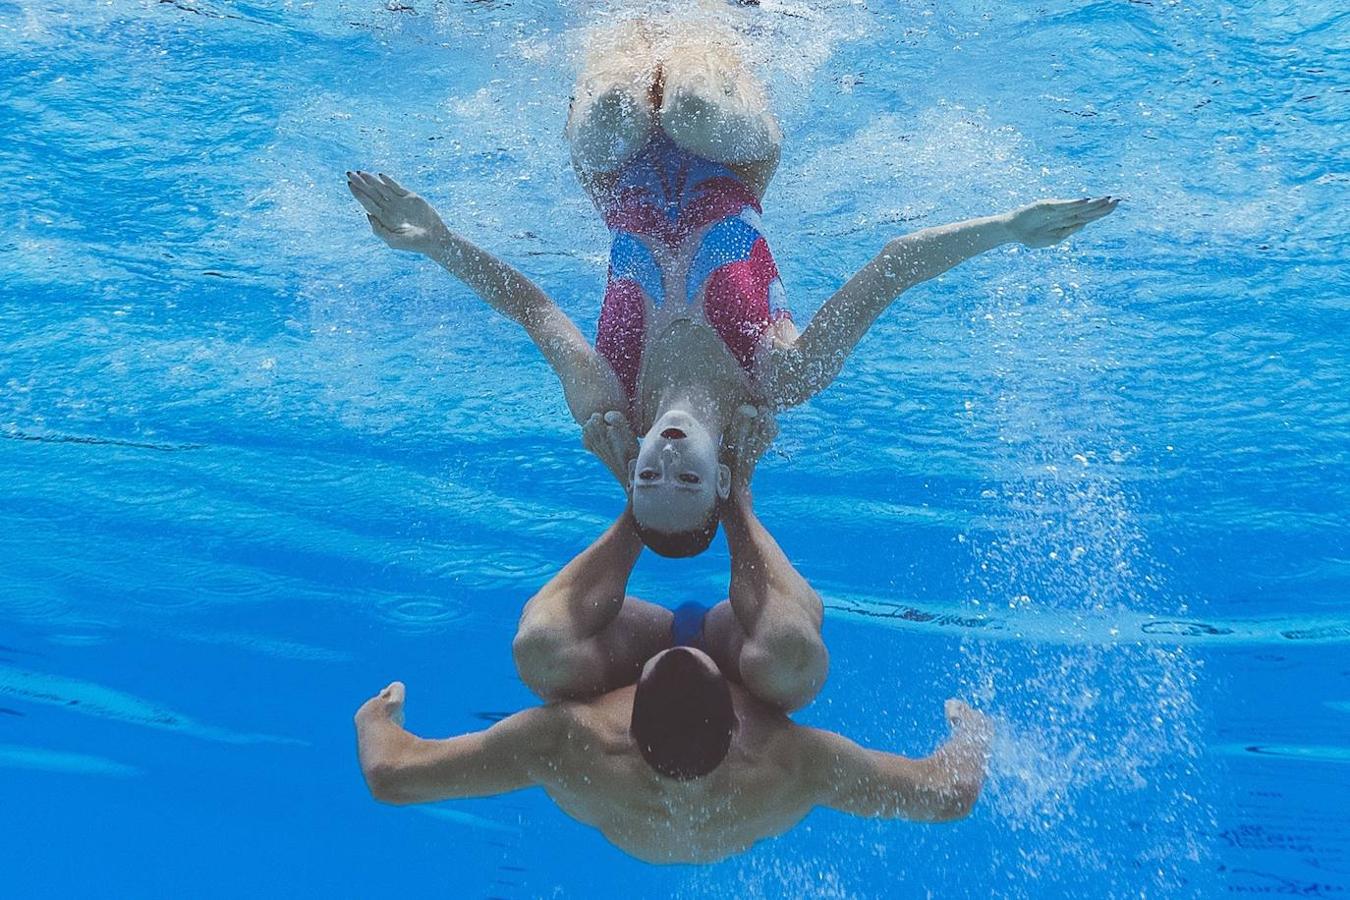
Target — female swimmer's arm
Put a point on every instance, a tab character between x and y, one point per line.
406	221
802	368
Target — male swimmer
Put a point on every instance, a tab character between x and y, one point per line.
674	141
668	733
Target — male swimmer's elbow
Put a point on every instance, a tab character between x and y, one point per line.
546	659
957	803
786	668
386	784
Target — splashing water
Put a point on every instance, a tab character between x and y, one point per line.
1082	727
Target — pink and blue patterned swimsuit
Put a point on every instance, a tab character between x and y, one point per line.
691	209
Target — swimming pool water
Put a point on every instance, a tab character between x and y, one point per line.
255	465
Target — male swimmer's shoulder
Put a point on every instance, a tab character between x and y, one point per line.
595	718
764	731
764	716
816	758
534	735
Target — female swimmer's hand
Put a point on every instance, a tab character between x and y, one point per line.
400	218
611	438
753	429
1048	222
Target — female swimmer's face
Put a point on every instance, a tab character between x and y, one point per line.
676	478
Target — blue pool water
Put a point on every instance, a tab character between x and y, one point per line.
255	465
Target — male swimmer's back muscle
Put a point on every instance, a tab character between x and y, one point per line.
756	793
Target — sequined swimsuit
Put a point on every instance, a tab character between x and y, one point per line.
671	205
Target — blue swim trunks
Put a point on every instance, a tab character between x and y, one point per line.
687	628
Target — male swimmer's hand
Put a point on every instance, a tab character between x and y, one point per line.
386	706
964	758
971	729
753	429
611	438
381	743
400	218
1048	222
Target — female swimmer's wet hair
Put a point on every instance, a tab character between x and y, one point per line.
678	544
682	716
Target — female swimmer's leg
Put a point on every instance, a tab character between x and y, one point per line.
612	111
712	106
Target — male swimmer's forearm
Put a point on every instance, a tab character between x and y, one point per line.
416	770
900	788
381	745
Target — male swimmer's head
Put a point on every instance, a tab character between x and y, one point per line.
682	714
678	485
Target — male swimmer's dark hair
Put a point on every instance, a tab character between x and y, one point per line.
678	544
682	716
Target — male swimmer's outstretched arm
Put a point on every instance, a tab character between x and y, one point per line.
406	221
938	788
804	367
401	768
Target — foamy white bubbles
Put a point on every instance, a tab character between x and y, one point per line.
1094	738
